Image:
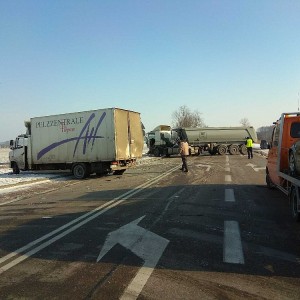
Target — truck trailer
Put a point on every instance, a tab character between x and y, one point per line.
280	169
97	141
163	140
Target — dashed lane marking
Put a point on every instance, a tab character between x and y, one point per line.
228	178
232	249
229	195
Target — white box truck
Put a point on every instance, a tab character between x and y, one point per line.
98	141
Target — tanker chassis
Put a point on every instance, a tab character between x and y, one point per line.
215	140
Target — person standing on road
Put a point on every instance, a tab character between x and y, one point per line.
184	152
249	144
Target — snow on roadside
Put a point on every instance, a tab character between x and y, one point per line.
9	181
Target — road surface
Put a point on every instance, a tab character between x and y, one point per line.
155	232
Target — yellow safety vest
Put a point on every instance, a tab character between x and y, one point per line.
249	143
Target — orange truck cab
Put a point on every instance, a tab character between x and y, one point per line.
286	133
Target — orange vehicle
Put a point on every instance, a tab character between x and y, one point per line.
281	159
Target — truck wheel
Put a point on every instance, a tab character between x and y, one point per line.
294	205
15	168
243	149
233	149
292	164
156	152
222	149
80	171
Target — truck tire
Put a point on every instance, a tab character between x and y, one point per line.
15	168
234	149
292	164
213	151
294	205
80	171
222	149
243	149
156	152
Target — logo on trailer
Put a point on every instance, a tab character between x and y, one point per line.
87	134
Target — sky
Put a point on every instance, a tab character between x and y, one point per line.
226	59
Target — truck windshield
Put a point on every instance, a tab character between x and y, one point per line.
295	130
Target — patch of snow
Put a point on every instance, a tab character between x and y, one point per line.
4	158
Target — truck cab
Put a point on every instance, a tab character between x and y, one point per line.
162	140
285	134
283	158
18	153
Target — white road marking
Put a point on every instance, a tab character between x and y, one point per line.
227	169
143	243
254	168
228	178
86	218
232	249
205	166
229	195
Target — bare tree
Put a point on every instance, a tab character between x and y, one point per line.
265	133
184	117
245	122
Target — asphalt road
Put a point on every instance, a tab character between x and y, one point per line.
215	232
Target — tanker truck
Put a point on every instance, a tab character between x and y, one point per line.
98	141
163	140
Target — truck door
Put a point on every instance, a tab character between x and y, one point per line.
129	134
135	135
273	155
19	152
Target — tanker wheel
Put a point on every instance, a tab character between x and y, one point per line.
233	149
222	149
243	149
156	152
294	205
80	171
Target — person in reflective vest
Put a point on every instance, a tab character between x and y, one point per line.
249	145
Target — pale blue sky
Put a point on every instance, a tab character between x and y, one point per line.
227	59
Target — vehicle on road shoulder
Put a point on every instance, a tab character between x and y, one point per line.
98	141
283	165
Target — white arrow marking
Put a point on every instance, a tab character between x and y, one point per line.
255	169
205	166
143	243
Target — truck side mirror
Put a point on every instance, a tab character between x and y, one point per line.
11	144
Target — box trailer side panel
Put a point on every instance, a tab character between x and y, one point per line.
83	136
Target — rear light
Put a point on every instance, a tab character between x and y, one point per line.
114	163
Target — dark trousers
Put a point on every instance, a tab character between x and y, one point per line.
249	151
184	163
